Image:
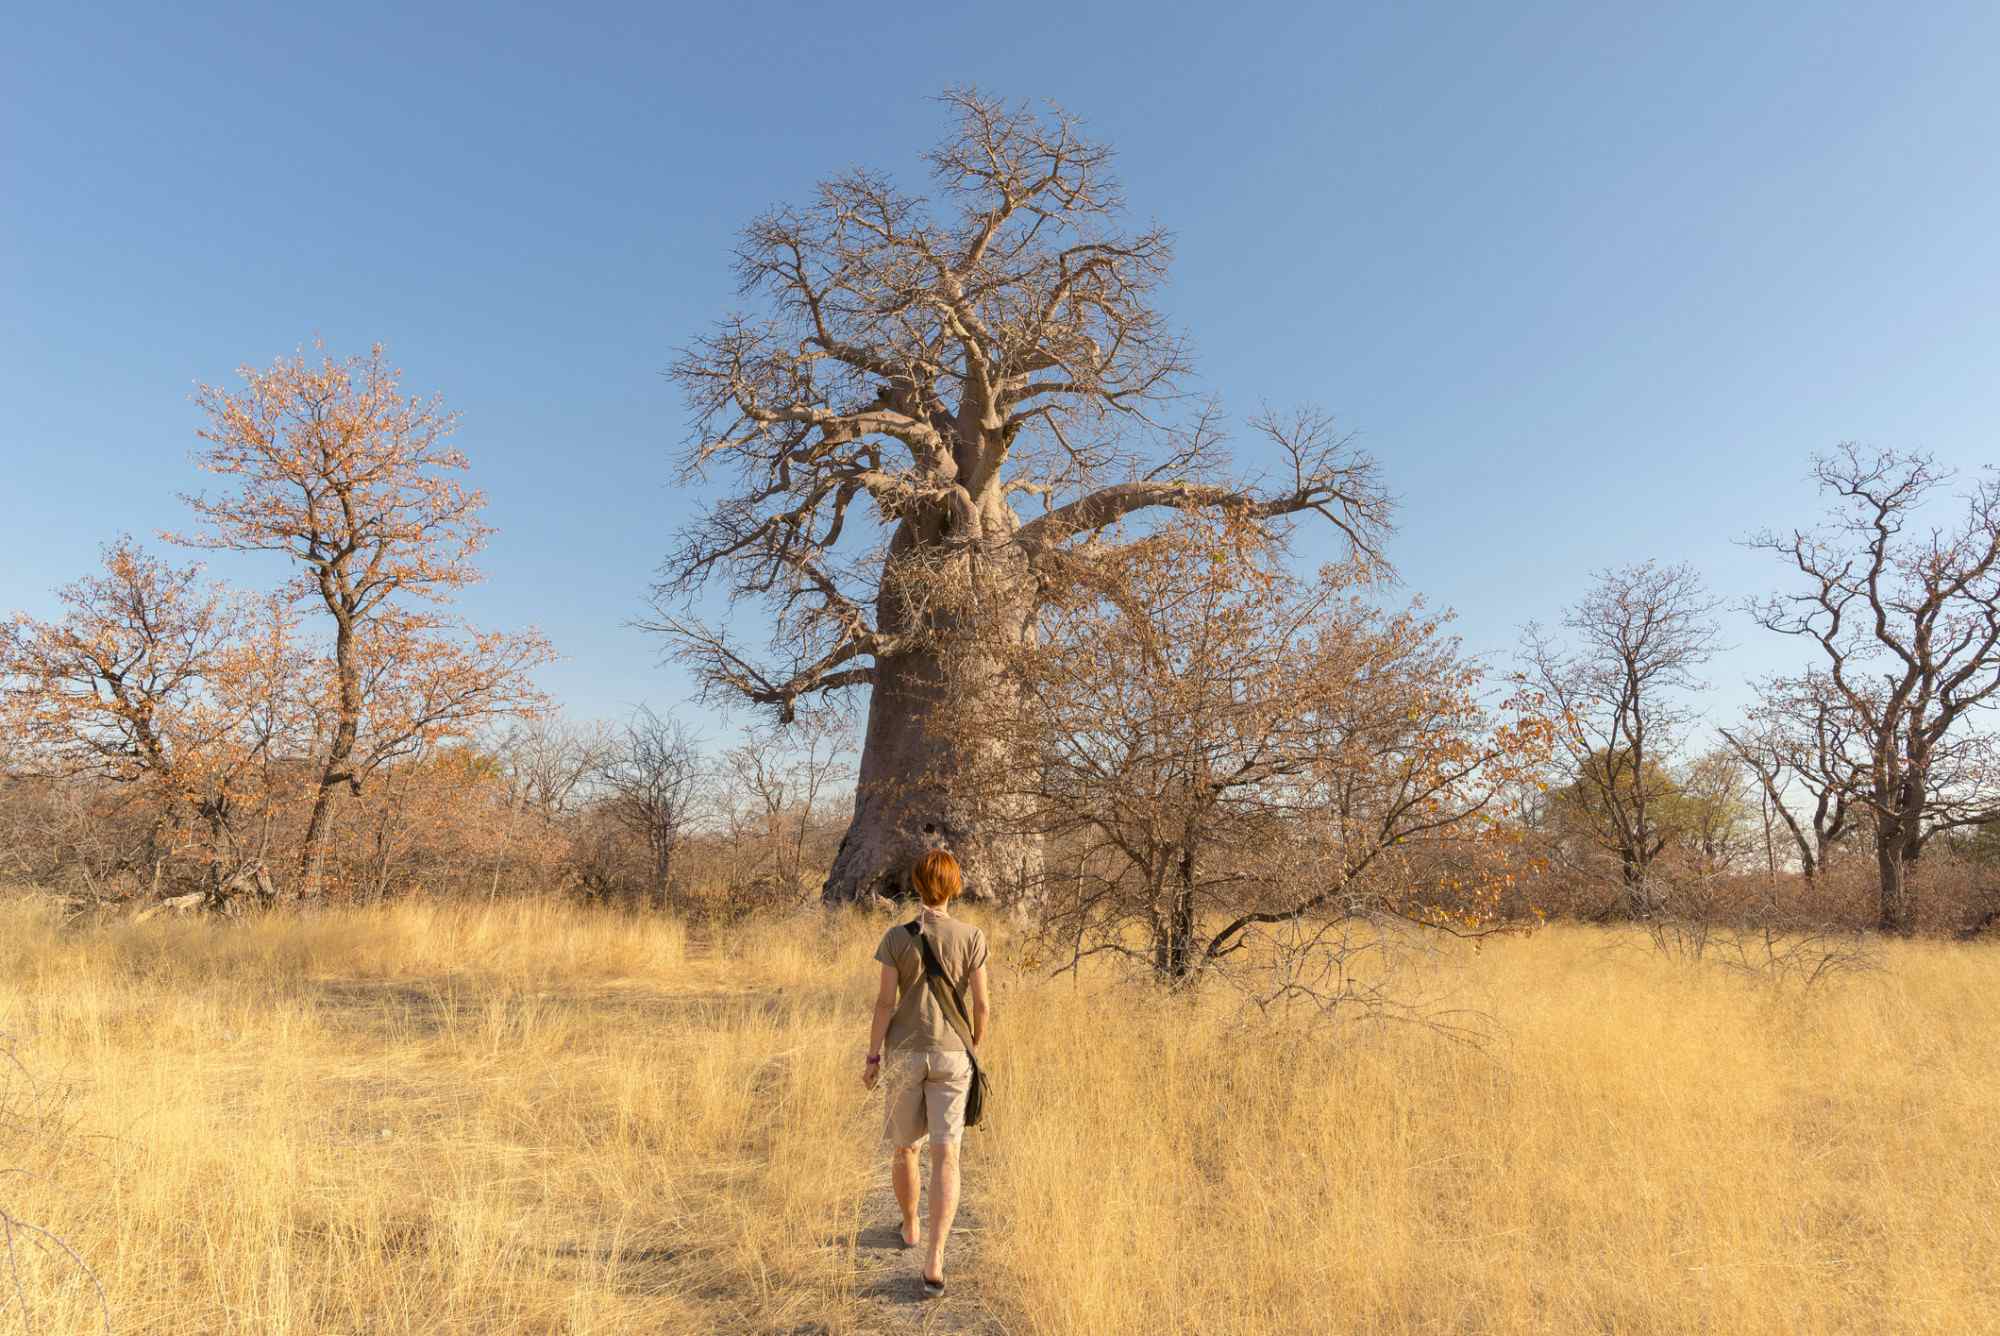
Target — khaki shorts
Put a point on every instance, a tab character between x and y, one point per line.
926	1096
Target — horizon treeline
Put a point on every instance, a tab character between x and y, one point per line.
344	737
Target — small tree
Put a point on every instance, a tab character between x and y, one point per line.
1799	743
1699	811
333	468
132	684
1213	747
1714	811
1637	640
1582	817
551	764
653	784
1909	627
1980	844
181	695
787	773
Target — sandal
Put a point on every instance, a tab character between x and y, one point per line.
933	1288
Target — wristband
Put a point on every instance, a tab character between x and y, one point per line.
874	1059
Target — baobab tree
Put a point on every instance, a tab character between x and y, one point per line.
331	466
914	368
1909	625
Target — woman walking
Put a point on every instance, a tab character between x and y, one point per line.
916	1044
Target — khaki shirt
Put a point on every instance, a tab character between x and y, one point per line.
919	1025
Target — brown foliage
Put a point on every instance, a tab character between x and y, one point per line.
332	467
1219	750
158	695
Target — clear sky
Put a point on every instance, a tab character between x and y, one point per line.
1592	281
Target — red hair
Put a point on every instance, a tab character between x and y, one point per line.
937	878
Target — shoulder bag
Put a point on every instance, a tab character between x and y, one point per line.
946	994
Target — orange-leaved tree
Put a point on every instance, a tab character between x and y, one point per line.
130	684
331	465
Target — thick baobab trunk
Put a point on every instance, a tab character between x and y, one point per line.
912	792
906	800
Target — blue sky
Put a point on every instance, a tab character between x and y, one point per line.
1592	281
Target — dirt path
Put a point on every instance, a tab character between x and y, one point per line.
889	1286
861	1271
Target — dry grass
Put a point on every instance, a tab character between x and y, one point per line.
546	1120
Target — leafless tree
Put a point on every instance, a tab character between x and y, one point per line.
1218	752
547	765
1908	619
787	773
552	762
1799	739
652	783
916	364
1618	692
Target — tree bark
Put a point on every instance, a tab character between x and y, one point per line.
664	844
1898	841
1897	913
1634	873
312	847
956	588
905	801
338	768
1173	949
156	850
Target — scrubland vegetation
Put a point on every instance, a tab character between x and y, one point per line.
529	1117
1347	980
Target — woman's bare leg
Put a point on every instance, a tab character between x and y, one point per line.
944	1203
904	1174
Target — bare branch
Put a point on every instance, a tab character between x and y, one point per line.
1322	475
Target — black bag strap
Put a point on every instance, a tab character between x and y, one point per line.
956	1014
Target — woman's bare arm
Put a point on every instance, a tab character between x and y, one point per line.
885	1009
878	1030
980	1008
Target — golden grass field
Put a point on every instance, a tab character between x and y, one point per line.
540	1119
